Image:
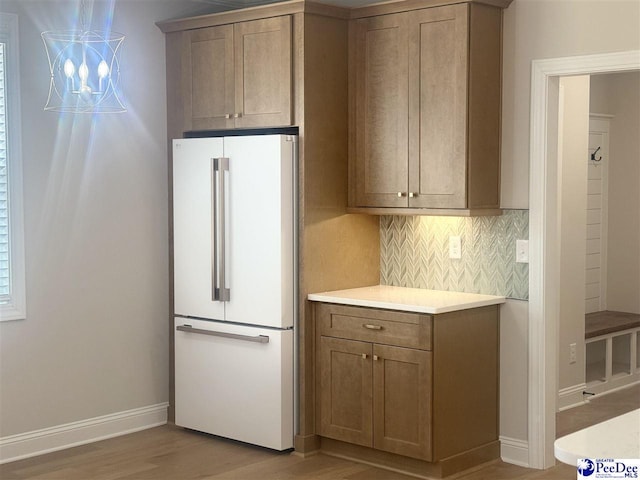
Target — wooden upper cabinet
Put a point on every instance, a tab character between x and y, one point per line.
380	64
208	78
238	75
426	94
438	111
263	72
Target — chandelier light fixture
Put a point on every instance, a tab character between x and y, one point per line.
85	70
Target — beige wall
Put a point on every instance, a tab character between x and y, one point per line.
573	121
540	29
95	193
513	369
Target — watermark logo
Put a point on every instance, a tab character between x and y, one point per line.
586	467
608	468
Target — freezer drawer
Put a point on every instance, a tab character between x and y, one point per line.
235	381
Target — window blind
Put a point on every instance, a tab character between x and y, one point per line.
5	273
13	302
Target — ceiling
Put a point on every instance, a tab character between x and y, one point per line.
234	4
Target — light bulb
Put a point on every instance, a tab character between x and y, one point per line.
83	72
103	69
69	68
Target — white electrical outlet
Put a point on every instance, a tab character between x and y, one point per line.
572	353
455	247
522	251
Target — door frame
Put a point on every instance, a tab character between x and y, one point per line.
544	255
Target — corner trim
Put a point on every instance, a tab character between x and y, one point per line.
514	451
46	440
257	12
307	444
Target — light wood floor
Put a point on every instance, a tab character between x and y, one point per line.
599	409
171	453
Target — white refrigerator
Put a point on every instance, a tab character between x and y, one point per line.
234	249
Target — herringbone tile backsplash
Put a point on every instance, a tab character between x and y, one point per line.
414	252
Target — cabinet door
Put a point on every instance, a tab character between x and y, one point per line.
344	390
402	401
379	70
263	72
208	78
438	51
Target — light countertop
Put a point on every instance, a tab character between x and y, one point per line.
618	438
407	299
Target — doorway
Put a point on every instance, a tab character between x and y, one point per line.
599	314
544	275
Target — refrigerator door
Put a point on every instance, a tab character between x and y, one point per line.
194	190
235	381
260	228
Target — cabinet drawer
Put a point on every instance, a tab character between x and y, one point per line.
387	327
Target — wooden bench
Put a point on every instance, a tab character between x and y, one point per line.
612	350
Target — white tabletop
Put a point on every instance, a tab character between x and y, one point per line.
617	438
407	299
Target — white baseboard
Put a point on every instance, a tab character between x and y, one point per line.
39	442
570	397
514	451
615	385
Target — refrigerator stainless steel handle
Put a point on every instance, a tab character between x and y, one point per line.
214	232
213	333
220	290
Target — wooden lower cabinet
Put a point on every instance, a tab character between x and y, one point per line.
375	395
435	400
402	401
345	390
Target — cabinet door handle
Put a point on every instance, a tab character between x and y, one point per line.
364	355
237	115
376	357
402	194
372	327
227	116
412	194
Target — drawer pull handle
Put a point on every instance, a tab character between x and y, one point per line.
372	327
213	333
